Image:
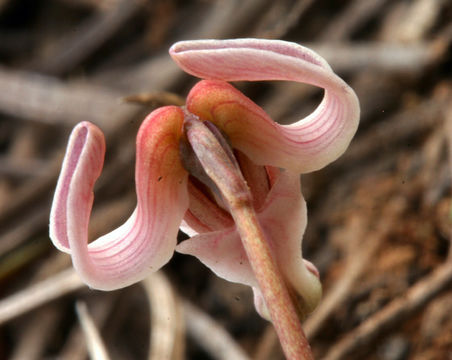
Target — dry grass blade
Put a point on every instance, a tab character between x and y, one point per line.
213	338
39	294
76	47
358	257
93	340
397	129
281	17
100	309
222	20
357	13
346	58
227	18
339	293
40	327
47	100
419	17
167	328
395	312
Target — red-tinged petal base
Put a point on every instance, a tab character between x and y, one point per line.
146	241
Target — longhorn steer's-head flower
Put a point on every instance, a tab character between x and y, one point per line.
271	157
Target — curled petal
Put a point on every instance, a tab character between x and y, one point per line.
146	241
306	145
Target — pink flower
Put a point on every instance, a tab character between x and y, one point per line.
168	198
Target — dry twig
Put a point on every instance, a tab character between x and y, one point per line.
379	56
76	47
356	14
167	327
394	313
39	294
74	348
96	347
211	336
410	22
397	129
49	101
280	18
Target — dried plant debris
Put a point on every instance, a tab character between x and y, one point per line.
380	218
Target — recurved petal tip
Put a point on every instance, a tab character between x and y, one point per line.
146	241
306	145
85	152
211	59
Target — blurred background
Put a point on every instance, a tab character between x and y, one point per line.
380	217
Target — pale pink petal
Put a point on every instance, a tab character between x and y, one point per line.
146	241
283	219
221	251
306	145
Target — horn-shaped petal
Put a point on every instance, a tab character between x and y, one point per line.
146	241
306	145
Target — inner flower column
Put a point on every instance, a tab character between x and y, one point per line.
218	162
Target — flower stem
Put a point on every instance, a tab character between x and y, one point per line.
226	174
271	284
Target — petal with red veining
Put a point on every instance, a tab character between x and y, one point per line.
307	145
146	241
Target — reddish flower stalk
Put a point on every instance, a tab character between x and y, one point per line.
226	175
